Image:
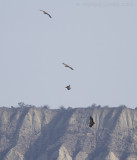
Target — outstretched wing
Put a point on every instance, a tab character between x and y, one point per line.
46	13
68	66
91	119
71	68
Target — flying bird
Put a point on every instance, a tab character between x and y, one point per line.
68	66
91	123
46	13
68	87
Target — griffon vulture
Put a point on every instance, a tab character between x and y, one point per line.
68	87
67	66
91	123
46	13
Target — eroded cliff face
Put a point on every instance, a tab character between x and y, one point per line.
63	134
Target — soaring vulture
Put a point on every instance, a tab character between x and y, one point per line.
67	66
91	123
68	87
46	13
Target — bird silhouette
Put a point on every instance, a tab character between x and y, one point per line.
91	123
46	13
68	87
68	66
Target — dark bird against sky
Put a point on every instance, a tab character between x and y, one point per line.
46	13
68	66
68	87
91	123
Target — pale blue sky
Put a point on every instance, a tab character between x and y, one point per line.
98	38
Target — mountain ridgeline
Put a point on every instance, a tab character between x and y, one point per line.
30	133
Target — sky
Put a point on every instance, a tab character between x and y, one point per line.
98	38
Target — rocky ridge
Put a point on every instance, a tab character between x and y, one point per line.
30	133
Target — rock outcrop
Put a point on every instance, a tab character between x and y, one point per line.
31	133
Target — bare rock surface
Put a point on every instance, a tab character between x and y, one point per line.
30	133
